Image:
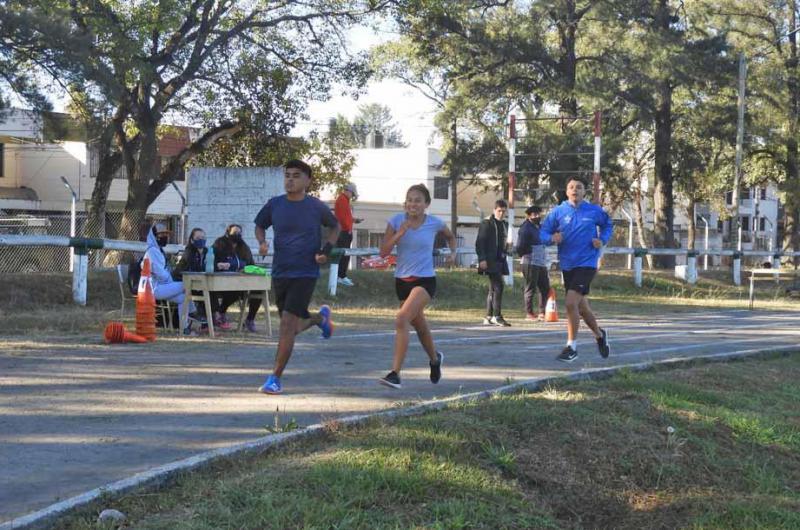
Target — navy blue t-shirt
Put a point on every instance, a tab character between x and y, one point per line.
298	234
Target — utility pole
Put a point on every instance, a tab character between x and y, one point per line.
737	176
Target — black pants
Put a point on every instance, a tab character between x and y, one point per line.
536	278
345	238
227	298
494	300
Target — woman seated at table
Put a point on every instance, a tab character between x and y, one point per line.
193	259
164	287
231	254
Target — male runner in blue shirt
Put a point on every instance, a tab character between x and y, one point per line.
296	220
580	229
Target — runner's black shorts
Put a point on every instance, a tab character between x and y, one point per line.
293	295
403	286
578	279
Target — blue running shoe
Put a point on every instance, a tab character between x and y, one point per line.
326	325
272	386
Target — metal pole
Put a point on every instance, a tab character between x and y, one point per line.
737	177
183	212
597	149
72	221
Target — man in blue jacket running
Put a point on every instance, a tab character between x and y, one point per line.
580	229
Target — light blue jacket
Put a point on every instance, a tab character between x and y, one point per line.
159	270
578	226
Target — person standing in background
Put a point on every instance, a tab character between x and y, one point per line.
490	246
534	264
343	209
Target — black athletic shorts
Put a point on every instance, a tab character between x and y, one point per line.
293	295
578	279
404	287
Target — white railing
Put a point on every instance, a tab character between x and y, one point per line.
83	245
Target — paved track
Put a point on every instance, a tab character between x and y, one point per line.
75	416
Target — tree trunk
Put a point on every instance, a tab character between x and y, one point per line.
139	180
454	183
663	202
566	20
791	184
639	219
567	62
109	162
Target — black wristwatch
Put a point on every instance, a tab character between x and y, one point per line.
326	249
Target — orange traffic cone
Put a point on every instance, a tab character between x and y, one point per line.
146	305
116	333
551	309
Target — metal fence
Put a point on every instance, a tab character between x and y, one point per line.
32	259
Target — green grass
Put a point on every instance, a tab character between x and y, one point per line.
715	446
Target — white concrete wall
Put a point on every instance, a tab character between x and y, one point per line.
40	167
218	197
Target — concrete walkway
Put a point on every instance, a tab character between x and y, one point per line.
75	416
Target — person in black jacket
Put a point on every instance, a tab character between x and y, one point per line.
491	249
193	259
231	254
534	263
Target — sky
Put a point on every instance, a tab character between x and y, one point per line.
412	111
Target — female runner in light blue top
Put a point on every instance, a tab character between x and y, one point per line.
414	233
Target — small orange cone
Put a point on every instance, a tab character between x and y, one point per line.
146	305
116	333
551	309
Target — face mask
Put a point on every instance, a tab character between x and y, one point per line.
236	238
162	241
199	243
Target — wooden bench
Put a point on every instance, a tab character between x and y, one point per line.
766	274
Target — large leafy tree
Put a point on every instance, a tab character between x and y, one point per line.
646	51
500	56
219	65
766	32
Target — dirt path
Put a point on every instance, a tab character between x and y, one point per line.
75	415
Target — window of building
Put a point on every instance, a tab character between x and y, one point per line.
745	223
763	192
762	224
441	188
728	197
745	194
720	225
